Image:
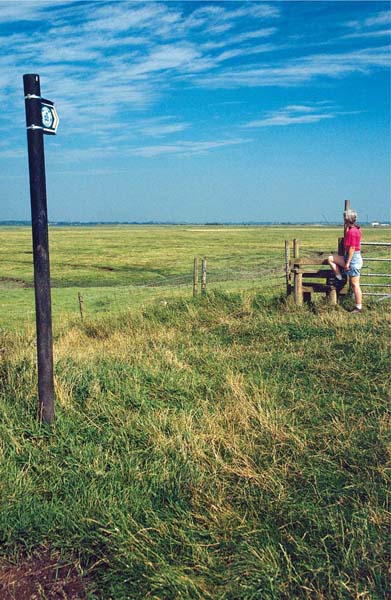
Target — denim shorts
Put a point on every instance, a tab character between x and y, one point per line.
355	264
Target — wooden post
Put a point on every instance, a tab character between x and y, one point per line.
288	268
80	304
39	222
203	276
298	276
296	248
340	240
195	277
298	287
347	207
333	296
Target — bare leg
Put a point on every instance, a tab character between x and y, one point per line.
336	261
355	282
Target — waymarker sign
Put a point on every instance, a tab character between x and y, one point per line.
50	119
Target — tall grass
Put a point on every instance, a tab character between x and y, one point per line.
228	447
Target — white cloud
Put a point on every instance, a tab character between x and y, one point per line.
122	16
12	12
381	18
161	129
107	64
219	19
165	57
368	34
296	114
299	71
369	27
245	51
186	148
252	35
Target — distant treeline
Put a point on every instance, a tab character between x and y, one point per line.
208	224
184	223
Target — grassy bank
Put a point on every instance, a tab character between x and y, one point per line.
227	447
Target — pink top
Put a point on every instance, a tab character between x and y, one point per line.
352	238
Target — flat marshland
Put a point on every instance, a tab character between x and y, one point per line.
230	446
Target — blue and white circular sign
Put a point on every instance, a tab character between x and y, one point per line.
50	118
47	117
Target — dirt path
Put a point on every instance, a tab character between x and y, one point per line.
40	577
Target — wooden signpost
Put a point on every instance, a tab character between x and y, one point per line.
41	118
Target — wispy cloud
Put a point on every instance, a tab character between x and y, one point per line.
108	63
378	33
12	12
370	27
185	148
381	18
298	114
299	71
293	115
160	127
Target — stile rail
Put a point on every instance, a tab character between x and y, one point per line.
375	243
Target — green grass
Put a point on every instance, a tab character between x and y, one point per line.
126	267
228	447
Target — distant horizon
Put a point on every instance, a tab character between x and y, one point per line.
25	223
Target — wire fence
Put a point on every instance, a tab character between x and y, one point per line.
85	302
267	277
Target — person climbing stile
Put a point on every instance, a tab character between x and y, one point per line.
351	262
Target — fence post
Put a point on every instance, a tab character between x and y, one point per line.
333	296
298	276
80	304
195	277
298	285
203	276
287	268
296	248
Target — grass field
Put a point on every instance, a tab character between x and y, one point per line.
227	447
124	267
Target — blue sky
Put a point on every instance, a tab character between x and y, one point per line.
200	111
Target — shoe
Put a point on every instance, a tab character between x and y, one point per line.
356	311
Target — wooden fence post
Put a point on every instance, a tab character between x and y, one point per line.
298	276
340	239
296	248
195	277
203	276
333	296
80	304
298	285
287	268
